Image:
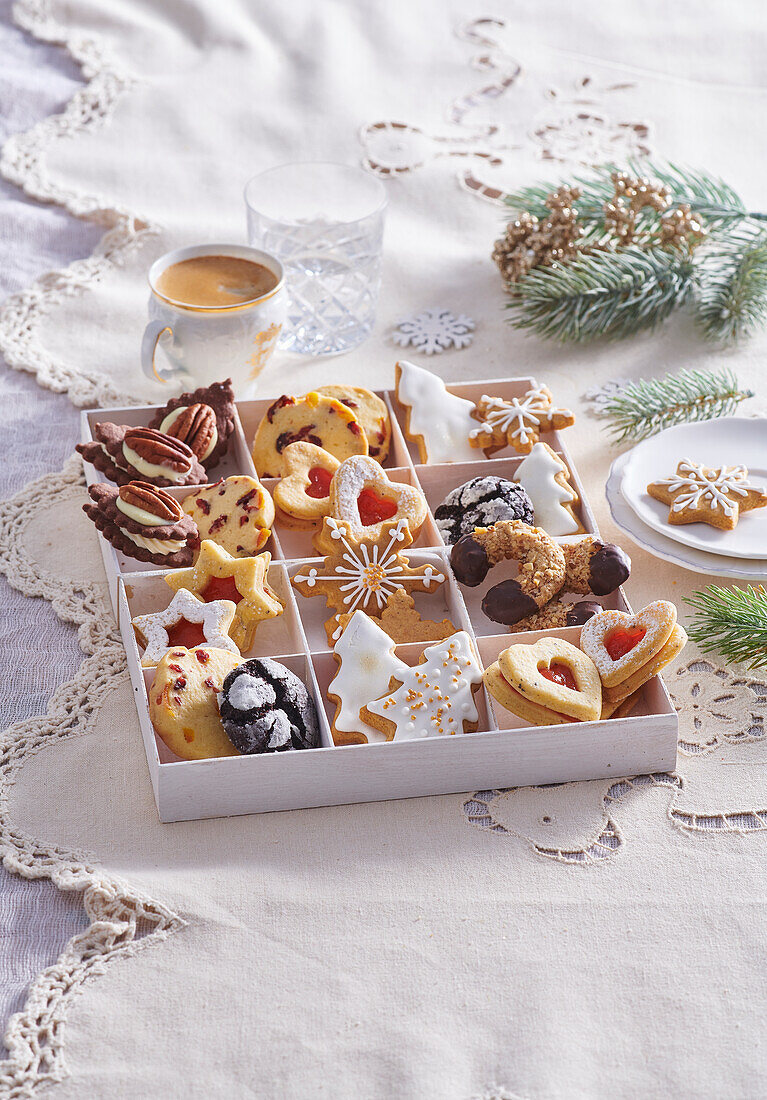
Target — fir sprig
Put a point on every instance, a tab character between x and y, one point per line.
732	289
649	405
602	294
732	622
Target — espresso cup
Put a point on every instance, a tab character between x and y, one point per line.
203	344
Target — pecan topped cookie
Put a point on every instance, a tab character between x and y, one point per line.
143	522
123	453
203	419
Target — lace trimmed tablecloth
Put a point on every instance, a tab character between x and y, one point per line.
595	939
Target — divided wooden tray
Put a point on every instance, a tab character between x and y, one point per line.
504	752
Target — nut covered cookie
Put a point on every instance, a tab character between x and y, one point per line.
203	419
372	413
124	454
237	513
313	418
143	522
183	701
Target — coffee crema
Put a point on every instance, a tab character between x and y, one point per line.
214	281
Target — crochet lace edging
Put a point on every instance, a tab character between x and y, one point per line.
23	163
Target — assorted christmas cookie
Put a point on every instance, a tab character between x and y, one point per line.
548	682
314	418
546	478
628	650
366	665
265	708
183	701
186	621
237	513
363	573
400	620
217	575
433	698
481	502
704	494
517	423
372	413
363	498
302	496
124	454
203	419
436	420
143	522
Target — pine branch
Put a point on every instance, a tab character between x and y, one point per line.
650	405
611	294
732	289
732	622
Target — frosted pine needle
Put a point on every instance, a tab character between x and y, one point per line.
731	622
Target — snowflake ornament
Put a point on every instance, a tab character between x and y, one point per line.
599	397
433	330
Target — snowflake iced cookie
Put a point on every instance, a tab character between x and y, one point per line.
517	423
548	682
362	497
481	502
372	413
433	330
122	454
186	621
203	419
703	494
314	418
143	522
302	496
362	574
433	698
400	620
265	708
366	664
628	650
183	701
546	479
437	421
237	513
216	575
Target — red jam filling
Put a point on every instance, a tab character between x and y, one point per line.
560	674
623	639
374	509
514	691
319	483
186	633
221	588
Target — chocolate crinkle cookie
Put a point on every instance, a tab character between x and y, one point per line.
482	502
265	708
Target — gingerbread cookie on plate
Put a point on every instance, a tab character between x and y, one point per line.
237	513
704	494
313	418
143	522
203	419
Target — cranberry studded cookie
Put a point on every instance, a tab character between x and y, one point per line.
124	454
372	413
237	513
183	701
203	419
315	419
143	522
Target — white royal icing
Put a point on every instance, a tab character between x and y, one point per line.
171	419
537	475
442	419
436	696
184	605
697	488
149	469
368	663
156	546
521	419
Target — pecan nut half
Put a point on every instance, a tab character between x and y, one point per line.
140	494
195	425
159	449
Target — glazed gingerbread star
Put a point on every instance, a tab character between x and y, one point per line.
517	423
217	575
702	494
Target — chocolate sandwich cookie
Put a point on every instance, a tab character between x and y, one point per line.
481	502
203	419
143	522
125	454
265	708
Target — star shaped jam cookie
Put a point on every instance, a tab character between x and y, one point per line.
704	494
186	621
517	423
362	574
217	575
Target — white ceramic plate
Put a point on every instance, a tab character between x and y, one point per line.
725	442
697	561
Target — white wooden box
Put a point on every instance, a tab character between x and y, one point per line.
504	751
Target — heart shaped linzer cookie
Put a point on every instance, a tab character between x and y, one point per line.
620	644
554	675
362	496
303	494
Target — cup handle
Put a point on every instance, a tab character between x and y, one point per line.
152	333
